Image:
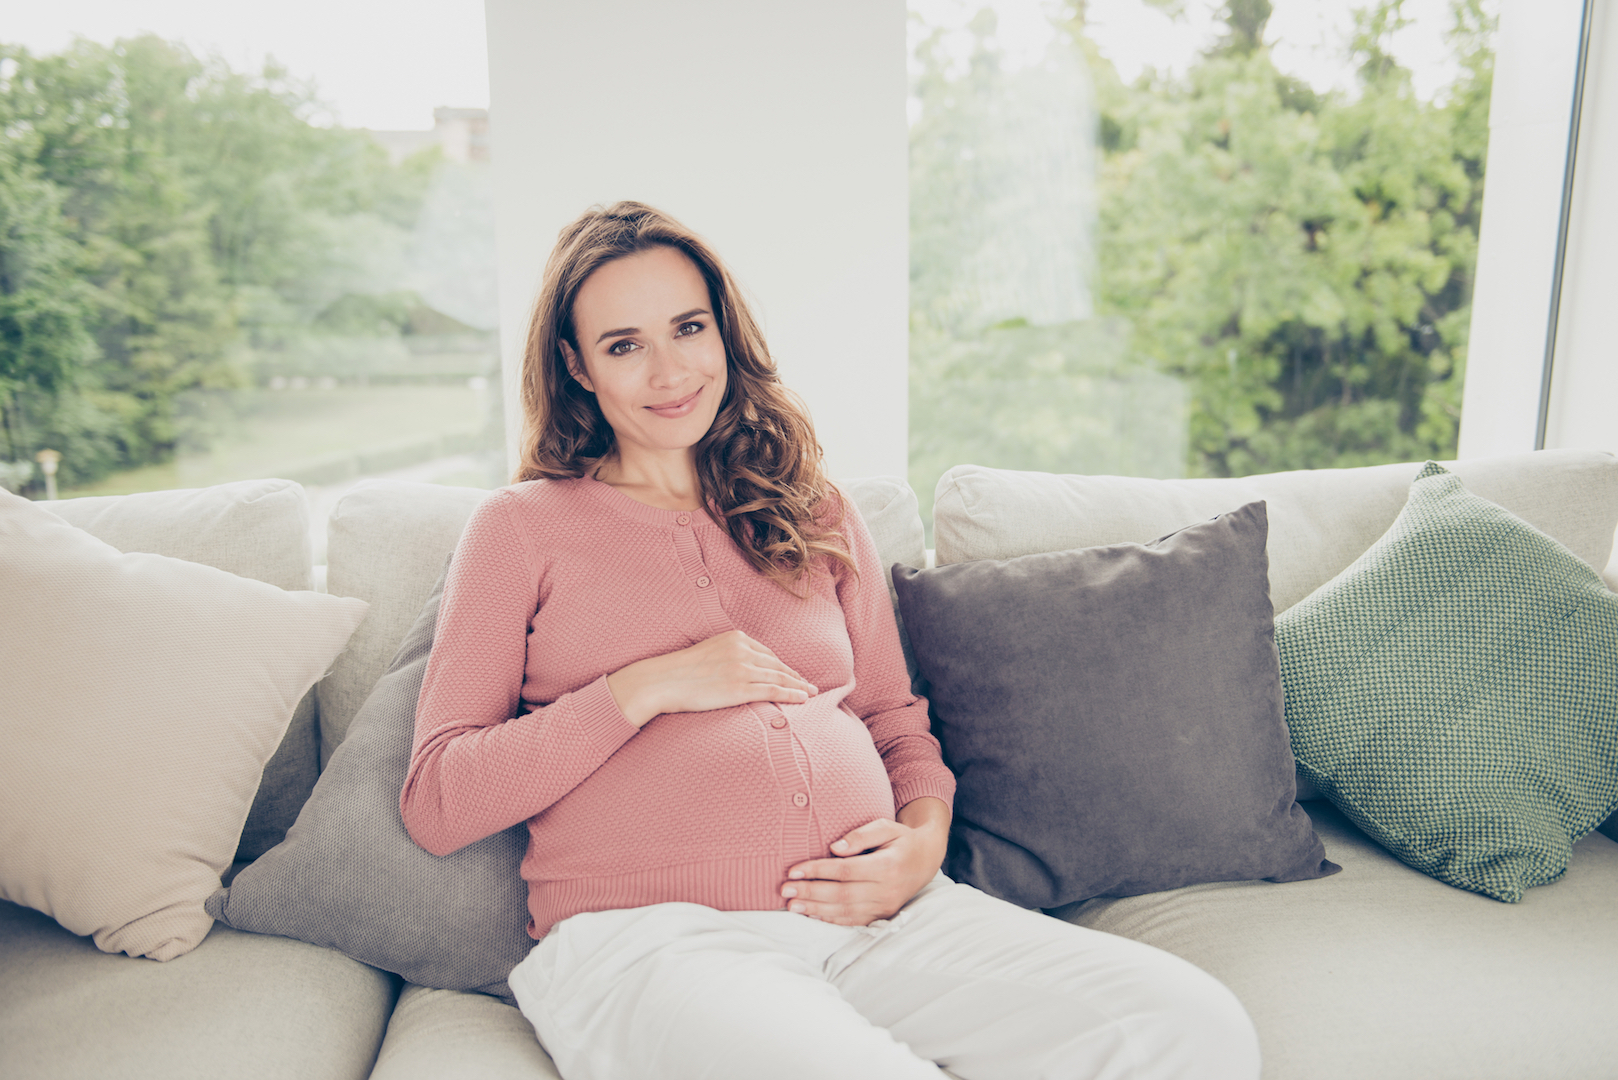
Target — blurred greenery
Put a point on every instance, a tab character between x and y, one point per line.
165	224
322	435
1257	276
1280	279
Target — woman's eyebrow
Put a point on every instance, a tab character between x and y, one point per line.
623	330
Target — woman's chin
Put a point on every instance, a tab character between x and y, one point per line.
669	436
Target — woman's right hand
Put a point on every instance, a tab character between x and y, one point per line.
727	669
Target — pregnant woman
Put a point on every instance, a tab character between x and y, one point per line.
669	650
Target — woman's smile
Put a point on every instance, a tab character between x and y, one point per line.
674	410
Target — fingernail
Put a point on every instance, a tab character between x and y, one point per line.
795	907
788	892
796	874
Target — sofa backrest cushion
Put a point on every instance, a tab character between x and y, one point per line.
255	529
1320	520
387	541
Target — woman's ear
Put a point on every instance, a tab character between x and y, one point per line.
574	367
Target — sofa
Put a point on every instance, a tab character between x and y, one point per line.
1376	971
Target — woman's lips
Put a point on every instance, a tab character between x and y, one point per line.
673	410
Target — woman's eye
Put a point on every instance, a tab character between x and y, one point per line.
620	348
688	329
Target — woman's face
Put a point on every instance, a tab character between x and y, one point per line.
650	350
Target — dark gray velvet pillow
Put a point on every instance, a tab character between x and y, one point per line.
1113	716
348	876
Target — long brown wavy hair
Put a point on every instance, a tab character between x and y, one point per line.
759	466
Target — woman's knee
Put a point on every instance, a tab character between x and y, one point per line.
1190	1024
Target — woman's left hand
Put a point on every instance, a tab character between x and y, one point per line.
879	867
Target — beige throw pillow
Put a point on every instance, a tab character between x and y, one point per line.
140	697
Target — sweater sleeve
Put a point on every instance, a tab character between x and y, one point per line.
479	764
896	718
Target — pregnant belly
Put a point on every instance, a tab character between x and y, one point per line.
694	787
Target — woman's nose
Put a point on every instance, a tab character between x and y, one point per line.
664	367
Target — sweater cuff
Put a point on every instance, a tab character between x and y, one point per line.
939	787
599	716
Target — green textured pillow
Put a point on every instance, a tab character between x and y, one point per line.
1455	692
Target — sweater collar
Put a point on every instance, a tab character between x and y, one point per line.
611	497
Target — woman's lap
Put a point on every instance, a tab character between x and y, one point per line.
990	990
678	990
977	985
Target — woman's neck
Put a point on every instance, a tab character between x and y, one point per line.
668	483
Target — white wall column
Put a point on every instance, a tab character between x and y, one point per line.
1536	51
1584	383
775	130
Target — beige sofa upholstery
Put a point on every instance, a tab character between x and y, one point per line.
1377	971
1380	971
1320	520
239	1004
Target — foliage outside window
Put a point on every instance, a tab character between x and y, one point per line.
1275	278
178	242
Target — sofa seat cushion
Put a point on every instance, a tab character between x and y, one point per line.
441	1033
1381	971
238	1005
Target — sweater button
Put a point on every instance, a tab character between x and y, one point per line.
683	519
778	722
703	582
800	800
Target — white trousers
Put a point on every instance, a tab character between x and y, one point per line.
958	984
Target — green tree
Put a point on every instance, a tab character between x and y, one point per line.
44	306
1300	264
161	214
1304	265
1008	366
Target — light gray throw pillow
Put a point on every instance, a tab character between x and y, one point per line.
348	876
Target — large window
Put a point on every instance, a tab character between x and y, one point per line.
1190	239
218	266
1160	237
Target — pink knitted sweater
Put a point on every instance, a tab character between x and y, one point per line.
555	585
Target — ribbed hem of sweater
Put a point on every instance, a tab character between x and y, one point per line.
744	884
